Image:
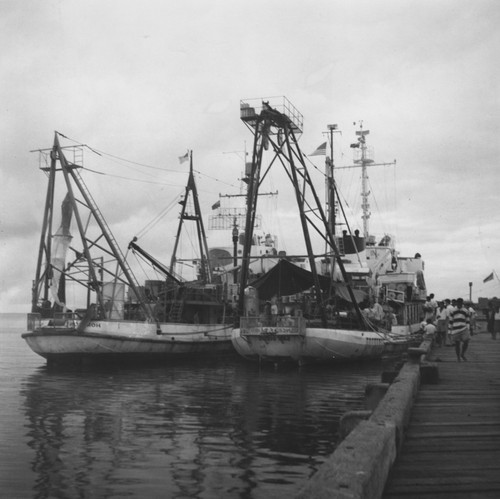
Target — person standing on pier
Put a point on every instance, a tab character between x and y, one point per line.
442	324
449	309
429	332
460	329
472	317
434	305
493	320
428	309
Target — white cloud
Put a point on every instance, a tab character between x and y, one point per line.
146	81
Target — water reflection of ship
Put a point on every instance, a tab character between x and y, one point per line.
213	429
133	434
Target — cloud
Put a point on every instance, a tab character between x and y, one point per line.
147	81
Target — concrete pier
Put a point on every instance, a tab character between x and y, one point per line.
435	432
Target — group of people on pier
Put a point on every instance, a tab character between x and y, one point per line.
449	323
453	322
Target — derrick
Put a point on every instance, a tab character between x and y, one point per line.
277	125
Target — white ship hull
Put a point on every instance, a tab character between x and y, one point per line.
313	344
127	339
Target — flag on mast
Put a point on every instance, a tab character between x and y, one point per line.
183	159
489	278
320	150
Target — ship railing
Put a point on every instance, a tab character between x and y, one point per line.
251	108
364	156
58	320
34	321
281	325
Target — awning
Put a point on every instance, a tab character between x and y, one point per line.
286	279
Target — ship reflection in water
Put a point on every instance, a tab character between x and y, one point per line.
209	430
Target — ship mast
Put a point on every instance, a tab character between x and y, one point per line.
330	181
187	214
87	267
365	159
277	127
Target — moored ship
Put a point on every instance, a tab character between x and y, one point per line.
323	313
111	316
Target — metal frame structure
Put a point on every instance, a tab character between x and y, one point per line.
206	268
279	130
87	269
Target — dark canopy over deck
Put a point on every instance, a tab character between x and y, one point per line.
286	279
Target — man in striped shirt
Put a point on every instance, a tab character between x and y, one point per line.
460	329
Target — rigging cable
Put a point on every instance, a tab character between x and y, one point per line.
163	169
141	266
158	217
128	178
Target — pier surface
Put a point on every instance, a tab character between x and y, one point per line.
451	448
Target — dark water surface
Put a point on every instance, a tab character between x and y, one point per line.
211	430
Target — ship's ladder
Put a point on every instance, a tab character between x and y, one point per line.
176	311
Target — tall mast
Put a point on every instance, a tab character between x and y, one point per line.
277	128
330	182
94	235
206	269
45	238
364	160
363	157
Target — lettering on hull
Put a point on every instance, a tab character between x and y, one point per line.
270	331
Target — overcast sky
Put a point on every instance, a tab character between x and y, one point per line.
147	80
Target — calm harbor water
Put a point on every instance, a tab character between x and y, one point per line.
209	430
